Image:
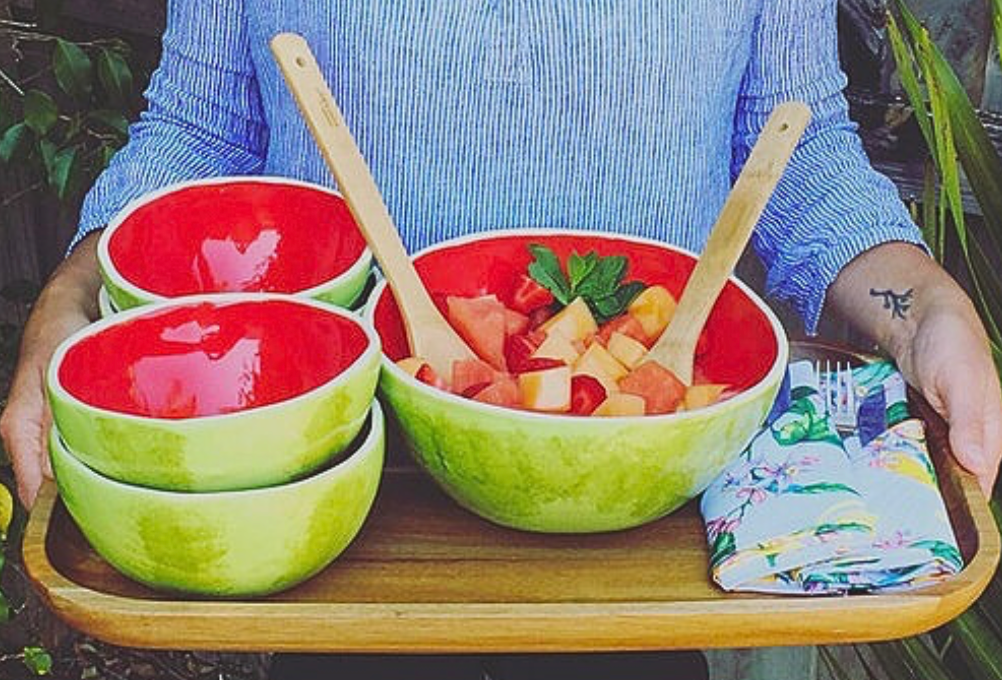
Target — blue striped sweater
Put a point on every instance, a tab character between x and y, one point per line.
622	115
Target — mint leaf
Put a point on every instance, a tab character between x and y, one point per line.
578	268
595	279
546	271
604	278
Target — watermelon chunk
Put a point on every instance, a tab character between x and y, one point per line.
529	295
468	372
628	325
515	323
481	321
586	394
518	349
661	390
502	392
428	376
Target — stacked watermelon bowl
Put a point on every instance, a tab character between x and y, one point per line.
203	445
217	433
233	234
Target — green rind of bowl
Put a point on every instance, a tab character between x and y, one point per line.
565	474
246	449
227	544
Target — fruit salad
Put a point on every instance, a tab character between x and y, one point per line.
572	339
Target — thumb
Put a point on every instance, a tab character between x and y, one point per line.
26	453
974	418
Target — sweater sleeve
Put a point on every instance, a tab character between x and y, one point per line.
203	117
830	205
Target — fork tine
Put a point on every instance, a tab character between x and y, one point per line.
850	388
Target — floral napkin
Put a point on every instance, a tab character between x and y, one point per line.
805	511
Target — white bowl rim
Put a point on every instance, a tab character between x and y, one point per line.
55	386
372	440
774	375
362	262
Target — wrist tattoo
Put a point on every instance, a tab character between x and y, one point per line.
898	303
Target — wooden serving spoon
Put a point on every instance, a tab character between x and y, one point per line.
430	336
676	348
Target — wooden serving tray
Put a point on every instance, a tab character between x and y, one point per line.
427	576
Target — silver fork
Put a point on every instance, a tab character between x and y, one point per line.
838	395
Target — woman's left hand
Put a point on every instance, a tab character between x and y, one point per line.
910	306
949	361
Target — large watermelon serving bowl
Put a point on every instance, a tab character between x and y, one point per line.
214	392
566	473
230	543
234	234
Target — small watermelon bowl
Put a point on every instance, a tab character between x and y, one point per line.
561	473
229	543
233	234
214	392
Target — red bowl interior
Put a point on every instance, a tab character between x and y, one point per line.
741	344
236	236
205	359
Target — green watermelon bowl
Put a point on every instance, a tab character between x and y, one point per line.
563	473
234	234
214	392
229	543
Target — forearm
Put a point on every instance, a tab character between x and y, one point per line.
889	290
70	296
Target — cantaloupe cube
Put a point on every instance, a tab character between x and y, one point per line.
546	390
557	346
598	363
620	404
411	365
653	308
699	396
625	349
574	322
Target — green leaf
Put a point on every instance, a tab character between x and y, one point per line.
37	660
996	6
15	143
73	69
819	487
832	664
47	150
981	162
604	278
546	271
980	648
105	154
904	58
67	173
578	268
615	304
111	120
931	227
115	76
943	134
40	111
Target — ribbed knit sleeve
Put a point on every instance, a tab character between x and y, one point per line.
830	205
204	113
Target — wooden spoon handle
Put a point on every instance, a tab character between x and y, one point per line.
737	220
338	147
345	161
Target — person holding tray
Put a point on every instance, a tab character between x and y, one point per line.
486	114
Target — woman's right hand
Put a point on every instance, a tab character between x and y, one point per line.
67	303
